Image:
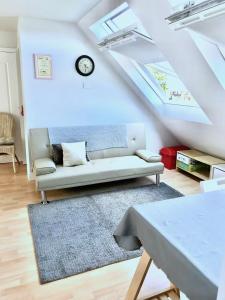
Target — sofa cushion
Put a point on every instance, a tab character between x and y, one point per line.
57	154
74	154
148	155
44	166
98	170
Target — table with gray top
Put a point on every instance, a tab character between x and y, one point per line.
185	237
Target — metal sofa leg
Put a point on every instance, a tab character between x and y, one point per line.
44	198
158	179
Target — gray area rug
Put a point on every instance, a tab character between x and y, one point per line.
72	236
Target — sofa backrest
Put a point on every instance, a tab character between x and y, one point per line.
40	144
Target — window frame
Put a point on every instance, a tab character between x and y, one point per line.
110	27
164	96
136	72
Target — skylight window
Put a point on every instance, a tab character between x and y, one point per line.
170	86
145	65
146	83
125	19
118	19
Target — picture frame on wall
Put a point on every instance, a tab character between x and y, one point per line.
43	66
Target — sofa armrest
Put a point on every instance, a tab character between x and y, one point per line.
148	155
44	166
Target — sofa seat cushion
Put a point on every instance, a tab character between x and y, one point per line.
98	170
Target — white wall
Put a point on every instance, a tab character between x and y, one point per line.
8	39
63	101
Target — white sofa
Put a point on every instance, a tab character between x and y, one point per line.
104	165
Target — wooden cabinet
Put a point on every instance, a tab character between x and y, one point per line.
198	163
218	171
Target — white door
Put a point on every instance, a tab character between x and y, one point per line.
9	93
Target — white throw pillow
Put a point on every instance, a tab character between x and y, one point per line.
74	154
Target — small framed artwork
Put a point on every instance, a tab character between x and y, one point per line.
43	66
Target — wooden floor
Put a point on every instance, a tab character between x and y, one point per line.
18	270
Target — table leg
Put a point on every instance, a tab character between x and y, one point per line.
139	276
171	293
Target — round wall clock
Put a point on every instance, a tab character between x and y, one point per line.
85	65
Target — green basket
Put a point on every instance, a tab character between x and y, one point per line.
189	168
195	167
183	166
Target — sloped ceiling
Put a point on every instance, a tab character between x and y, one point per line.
213	28
181	52
142	51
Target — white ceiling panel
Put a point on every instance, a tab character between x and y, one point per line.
62	10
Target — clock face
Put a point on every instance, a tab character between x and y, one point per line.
85	65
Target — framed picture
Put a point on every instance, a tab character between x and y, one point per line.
43	66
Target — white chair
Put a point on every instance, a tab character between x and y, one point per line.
212	185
